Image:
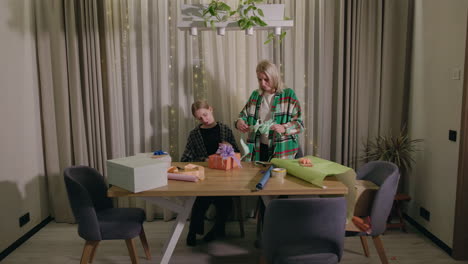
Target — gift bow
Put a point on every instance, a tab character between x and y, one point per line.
226	151
263	128
159	152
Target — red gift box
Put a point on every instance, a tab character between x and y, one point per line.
215	161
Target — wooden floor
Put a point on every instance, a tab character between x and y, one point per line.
60	244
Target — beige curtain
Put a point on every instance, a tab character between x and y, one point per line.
375	82
118	78
71	93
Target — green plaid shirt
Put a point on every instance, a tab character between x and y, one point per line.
286	110
195	149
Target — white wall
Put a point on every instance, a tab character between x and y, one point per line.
22	182
438	54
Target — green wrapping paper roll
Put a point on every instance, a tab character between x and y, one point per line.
315	175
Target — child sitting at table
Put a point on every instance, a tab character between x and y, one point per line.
202	142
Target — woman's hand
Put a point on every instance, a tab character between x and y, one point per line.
242	126
278	128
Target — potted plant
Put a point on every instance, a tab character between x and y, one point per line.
399	150
250	15
217	12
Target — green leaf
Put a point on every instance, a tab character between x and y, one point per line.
283	35
224	7
212	11
260	12
258	21
242	23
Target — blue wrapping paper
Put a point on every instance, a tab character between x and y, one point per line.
266	176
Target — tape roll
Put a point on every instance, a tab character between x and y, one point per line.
278	172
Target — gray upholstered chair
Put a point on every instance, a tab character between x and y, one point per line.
304	230
97	219
260	209
385	175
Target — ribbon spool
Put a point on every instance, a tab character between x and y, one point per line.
279	173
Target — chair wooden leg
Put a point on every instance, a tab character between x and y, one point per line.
365	247
132	250
380	249
88	251
260	213
93	252
240	216
262	260
144	242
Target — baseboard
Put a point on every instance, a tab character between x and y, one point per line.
24	238
428	234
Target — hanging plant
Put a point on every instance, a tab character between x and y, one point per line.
247	16
250	15
216	11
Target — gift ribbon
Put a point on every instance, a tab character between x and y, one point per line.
262	128
226	151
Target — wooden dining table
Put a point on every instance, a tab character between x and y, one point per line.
234	182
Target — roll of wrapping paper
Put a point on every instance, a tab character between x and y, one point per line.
266	176
182	177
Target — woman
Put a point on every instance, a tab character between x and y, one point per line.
202	142
272	116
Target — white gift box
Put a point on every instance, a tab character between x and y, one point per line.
138	173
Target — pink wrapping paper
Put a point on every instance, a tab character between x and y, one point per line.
182	177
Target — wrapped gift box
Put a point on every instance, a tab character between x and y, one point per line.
215	161
138	173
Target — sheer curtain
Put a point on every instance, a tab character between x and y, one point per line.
118	78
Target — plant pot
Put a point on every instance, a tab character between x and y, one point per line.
221	31
277	31
193	31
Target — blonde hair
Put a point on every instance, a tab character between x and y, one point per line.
199	104
273	74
